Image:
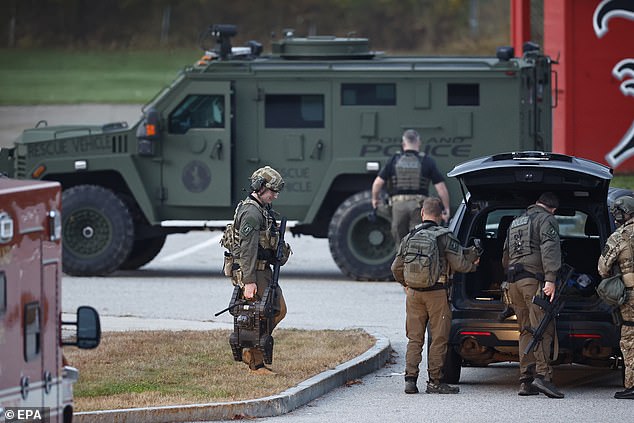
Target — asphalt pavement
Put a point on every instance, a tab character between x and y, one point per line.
176	291
182	288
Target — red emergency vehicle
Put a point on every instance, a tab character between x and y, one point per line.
32	373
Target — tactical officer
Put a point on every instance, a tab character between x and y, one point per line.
429	305
408	175
618	256
532	257
255	230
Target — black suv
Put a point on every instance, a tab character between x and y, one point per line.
500	187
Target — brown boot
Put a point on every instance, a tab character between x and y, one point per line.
248	359
262	371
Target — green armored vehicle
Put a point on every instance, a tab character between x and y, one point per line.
327	112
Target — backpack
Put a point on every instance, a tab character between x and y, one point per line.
612	290
421	257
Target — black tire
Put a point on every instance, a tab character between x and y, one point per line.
143	251
362	247
452	367
97	231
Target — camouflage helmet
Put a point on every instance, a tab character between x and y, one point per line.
622	208
266	177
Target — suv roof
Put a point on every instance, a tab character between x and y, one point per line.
512	175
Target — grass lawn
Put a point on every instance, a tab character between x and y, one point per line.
623	181
154	368
69	77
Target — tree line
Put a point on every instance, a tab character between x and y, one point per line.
426	26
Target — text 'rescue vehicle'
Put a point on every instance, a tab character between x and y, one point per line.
500	188
325	111
33	377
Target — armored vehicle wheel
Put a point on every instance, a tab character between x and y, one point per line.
452	367
97	231
143	251
361	246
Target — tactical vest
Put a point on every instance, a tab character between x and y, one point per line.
519	238
408	175
268	234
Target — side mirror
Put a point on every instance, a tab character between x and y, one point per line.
88	325
148	132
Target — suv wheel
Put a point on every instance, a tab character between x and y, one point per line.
97	231
361	244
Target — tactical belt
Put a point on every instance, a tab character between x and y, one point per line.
407	197
435	287
629	288
630	324
516	276
261	265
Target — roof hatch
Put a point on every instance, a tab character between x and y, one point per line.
322	47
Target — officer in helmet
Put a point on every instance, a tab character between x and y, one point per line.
256	237
618	257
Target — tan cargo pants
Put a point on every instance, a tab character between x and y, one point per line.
423	308
529	315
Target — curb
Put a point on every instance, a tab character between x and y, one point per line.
270	406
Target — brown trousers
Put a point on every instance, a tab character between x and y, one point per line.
422	308
537	362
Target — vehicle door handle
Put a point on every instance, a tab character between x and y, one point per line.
216	151
316	154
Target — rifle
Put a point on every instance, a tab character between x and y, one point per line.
270	293
551	309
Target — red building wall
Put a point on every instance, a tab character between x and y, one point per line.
593	41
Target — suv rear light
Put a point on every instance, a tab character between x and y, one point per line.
475	333
584	335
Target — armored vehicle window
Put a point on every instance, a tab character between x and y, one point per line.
463	94
31	330
198	111
368	94
294	111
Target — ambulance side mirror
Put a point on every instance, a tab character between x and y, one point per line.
88	325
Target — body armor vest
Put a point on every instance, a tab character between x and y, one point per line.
268	234
408	175
520	237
